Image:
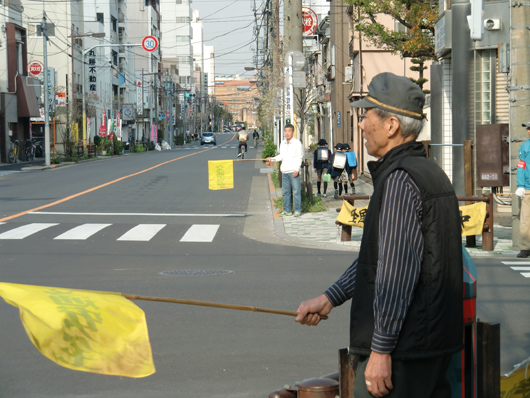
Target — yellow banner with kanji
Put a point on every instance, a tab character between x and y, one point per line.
516	384
472	218
350	215
220	174
98	332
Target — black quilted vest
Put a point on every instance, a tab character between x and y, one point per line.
434	322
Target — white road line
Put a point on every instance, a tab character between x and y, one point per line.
525	274
26	230
516	262
142	232
82	232
2	223
139	214
520	268
200	233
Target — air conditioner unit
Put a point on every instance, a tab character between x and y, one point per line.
348	73
492	24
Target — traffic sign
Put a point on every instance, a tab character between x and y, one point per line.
35	68
150	43
309	21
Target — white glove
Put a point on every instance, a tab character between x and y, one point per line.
520	192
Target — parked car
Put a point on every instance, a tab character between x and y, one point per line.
227	130
208	138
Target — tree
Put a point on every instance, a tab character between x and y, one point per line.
415	38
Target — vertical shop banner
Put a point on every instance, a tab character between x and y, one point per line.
154	133
103	127
220	174
75	132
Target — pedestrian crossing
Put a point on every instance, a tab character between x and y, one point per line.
218	147
202	233
523	267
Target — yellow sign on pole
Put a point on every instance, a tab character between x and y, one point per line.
75	132
350	215
220	174
98	332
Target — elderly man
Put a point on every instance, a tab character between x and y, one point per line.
291	155
406	284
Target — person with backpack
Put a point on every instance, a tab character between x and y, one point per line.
321	158
352	163
337	165
255	135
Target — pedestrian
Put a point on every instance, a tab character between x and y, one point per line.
291	156
406	285
255	135
523	184
337	166
352	163
321	158
242	137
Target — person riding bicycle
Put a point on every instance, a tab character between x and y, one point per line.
242	136
255	135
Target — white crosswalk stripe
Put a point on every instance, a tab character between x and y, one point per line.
142	232
82	232
200	233
25	231
519	266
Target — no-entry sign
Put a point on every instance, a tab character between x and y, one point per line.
150	43
309	21
35	68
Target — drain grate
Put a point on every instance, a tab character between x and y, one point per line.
196	272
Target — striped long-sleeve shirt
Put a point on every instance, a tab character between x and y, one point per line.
399	261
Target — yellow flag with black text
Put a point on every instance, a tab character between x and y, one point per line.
98	332
220	174
472	218
350	215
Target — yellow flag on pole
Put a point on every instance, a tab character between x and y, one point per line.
98	332
350	215
220	174
472	218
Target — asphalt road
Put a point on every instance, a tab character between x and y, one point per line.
198	352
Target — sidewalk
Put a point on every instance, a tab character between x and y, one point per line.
319	229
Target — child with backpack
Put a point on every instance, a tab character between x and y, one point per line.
338	165
352	163
321	158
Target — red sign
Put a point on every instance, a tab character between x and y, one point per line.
150	43
35	68
103	127
309	21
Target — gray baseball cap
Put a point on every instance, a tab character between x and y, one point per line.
396	94
527	125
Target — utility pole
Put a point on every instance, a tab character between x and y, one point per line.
46	80
519	89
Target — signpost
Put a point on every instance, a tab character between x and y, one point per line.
35	68
150	43
309	21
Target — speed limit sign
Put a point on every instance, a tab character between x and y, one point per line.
150	43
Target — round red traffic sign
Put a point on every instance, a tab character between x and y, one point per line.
309	21
150	43
35	68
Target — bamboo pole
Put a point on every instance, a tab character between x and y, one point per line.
209	304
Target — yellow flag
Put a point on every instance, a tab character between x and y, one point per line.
517	383
220	174
98	332
472	218
350	215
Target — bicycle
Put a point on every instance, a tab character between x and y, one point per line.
29	150
13	152
243	149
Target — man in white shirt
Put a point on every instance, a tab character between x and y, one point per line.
291	155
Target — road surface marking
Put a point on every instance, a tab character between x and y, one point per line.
516	262
142	232
139	214
200	233
82	232
520	268
26	230
525	274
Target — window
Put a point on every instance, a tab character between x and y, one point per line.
485	70
35	30
182	20
115	57
183	39
100	17
114	23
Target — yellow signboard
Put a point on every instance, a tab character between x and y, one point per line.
220	174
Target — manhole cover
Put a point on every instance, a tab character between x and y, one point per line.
196	272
